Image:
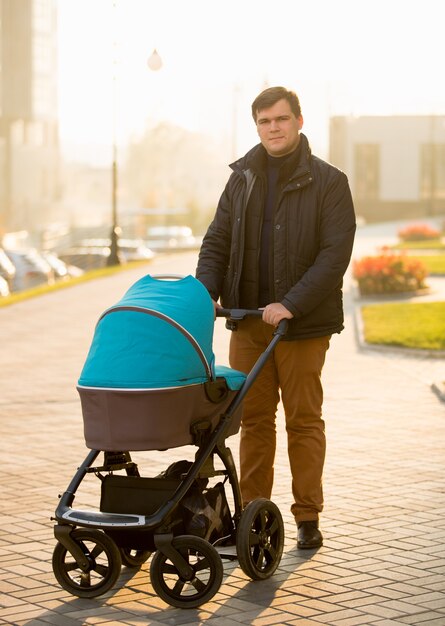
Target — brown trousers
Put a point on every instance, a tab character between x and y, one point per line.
294	368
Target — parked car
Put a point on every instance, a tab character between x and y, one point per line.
135	250
4	288
129	249
31	269
85	258
168	238
62	270
7	268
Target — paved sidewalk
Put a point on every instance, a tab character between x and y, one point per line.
383	562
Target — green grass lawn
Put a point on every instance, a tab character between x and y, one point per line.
425	251
409	325
432	244
434	263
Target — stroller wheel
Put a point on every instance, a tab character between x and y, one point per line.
206	573
134	558
104	564
260	539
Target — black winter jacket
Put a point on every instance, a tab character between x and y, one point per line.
313	235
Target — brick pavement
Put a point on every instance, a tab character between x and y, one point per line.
383	562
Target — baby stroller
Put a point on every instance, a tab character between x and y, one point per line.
150	383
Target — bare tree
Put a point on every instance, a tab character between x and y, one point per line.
171	168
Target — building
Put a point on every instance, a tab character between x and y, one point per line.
29	145
395	164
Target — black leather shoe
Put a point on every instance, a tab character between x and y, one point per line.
309	536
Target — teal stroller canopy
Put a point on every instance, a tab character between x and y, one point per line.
158	335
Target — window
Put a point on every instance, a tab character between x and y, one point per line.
367	165
432	171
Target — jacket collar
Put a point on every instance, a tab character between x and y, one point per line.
256	160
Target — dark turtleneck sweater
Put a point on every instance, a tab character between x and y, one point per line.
273	172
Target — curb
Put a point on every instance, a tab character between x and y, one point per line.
43	289
380	298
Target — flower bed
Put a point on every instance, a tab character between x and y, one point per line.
418	232
389	273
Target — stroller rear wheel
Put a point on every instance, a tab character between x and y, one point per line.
260	539
104	564
134	558
187	592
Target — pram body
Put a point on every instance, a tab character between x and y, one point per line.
150	382
154	349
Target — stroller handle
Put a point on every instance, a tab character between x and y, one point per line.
168	276
237	314
234	315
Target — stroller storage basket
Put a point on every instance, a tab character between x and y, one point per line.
140	495
136	494
202	512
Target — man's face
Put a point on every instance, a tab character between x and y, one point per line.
278	128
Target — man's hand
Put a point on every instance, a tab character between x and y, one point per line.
275	312
216	305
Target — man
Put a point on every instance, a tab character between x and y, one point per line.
281	240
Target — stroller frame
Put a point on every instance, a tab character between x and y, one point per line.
186	570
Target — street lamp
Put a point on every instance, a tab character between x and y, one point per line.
154	62
114	258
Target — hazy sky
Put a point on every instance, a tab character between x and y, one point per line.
342	57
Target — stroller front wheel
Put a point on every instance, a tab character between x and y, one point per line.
260	539
103	571
200	586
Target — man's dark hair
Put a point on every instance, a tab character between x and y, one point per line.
271	96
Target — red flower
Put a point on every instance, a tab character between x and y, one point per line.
418	232
389	273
